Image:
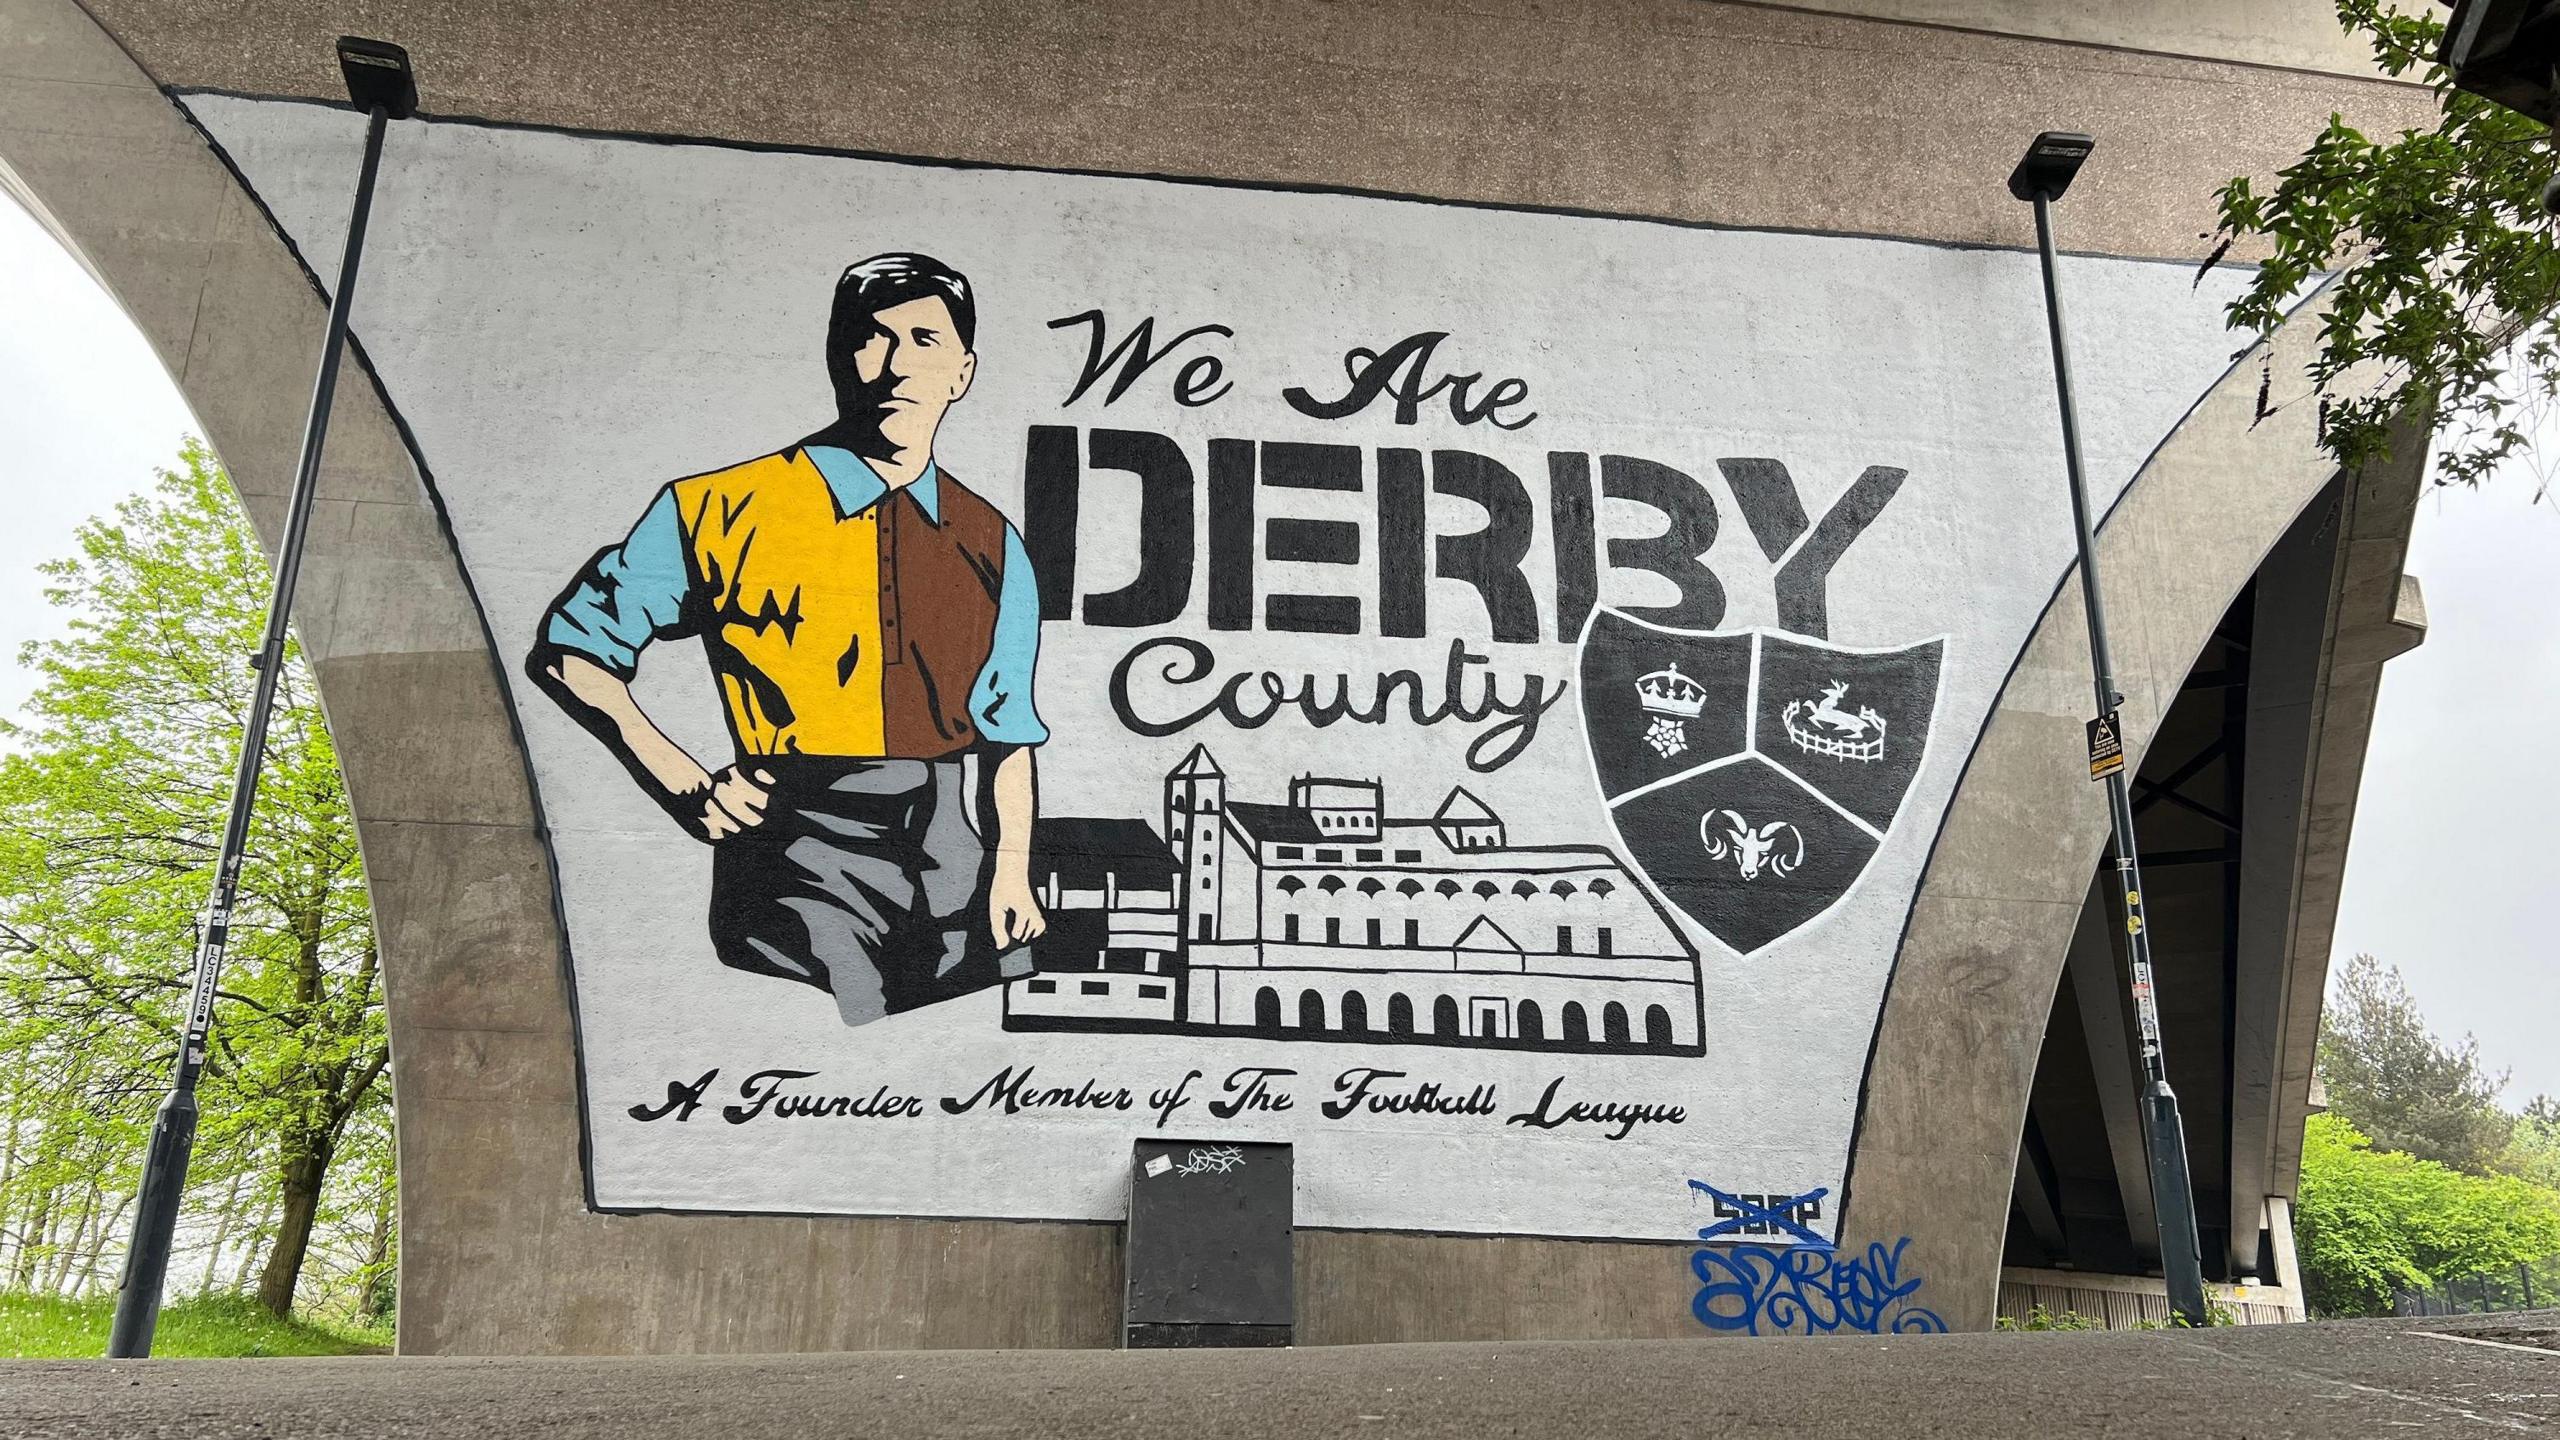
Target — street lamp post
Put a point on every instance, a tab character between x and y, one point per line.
379	81
2050	163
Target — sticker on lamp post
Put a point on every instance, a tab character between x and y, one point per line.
2106	747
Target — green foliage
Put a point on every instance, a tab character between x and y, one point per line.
2216	1316
2397	1082
2532	1152
2454	263
54	1327
2370	1222
2039	1318
116	783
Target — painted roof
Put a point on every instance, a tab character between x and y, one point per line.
1081	850
1280	824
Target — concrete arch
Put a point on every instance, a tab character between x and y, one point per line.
492	1181
1945	1096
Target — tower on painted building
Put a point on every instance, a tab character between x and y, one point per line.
1195	795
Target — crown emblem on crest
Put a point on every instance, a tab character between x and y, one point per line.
1672	699
1668	692
1823	727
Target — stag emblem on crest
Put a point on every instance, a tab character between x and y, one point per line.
1825	727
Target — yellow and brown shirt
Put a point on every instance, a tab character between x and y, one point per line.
842	616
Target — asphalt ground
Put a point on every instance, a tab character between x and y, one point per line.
2474	1375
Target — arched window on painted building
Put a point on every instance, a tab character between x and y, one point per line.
1447	888
1310	1010
1266	1009
1399	1015
1444	1016
1532	1025
1657	1025
1613	1024
1355	1011
1577	1025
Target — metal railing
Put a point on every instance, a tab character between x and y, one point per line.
2520	1287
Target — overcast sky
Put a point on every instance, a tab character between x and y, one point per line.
86	415
2448	877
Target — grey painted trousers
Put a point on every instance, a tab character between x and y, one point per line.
868	880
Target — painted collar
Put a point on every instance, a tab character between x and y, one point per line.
857	487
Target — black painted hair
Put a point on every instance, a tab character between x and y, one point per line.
871	286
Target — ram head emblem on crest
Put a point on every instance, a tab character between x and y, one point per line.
1776	847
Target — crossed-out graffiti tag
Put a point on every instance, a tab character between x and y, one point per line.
1763	1214
1803	1285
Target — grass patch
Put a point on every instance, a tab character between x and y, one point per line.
50	1327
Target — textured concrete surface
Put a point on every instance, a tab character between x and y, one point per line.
2296	34
1956	1048
2362	1378
1740	114
1731	113
2290	624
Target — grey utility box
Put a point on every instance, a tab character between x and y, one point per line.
1209	1245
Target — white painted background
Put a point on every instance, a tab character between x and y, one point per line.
567	323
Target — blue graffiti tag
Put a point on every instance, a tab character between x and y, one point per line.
1804	1287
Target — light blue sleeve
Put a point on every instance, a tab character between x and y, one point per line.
629	595
1001	700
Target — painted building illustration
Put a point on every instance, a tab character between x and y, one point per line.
1329	917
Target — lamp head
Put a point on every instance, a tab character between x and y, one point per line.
2051	160
2507	50
378	74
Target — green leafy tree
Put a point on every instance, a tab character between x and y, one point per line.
2389	1075
2451	263
2533	1148
116	787
2371	1222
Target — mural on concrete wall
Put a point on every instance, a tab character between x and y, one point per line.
1013	662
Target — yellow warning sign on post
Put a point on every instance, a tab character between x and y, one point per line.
2106	747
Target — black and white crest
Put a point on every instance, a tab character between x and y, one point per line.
1752	774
